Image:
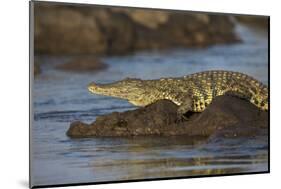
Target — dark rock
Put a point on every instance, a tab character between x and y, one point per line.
83	64
62	29
254	21
229	113
78	129
226	116
68	29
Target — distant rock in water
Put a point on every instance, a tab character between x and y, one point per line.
226	116
68	29
254	21
83	64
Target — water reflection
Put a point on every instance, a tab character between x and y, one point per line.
168	159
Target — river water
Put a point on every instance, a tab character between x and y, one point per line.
60	98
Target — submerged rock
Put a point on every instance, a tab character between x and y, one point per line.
68	29
83	64
226	116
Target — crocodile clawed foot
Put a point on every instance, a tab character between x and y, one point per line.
181	113
181	118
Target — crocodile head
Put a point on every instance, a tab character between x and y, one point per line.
136	91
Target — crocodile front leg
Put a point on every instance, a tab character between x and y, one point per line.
185	106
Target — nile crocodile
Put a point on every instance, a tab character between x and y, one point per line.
191	93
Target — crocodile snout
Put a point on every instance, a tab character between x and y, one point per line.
92	87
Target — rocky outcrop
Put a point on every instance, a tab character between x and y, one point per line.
226	116
254	21
68	29
83	64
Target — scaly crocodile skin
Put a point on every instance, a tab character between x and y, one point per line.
192	92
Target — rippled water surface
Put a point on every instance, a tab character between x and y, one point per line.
62	97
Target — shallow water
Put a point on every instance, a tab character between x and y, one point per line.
62	97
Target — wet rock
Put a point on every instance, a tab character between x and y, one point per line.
228	113
226	116
83	64
68	29
78	129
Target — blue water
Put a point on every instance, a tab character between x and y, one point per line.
60	98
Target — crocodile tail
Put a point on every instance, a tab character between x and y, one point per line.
251	89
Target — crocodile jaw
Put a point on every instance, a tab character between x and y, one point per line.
133	94
104	89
